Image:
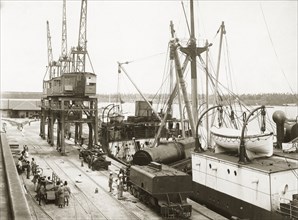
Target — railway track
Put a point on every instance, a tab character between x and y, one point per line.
82	200
82	196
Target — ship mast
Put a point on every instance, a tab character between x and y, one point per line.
179	72
193	51
193	65
177	87
215	100
222	32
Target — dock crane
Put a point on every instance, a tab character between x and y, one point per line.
79	52
64	58
53	67
70	96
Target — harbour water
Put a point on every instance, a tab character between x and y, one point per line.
291	112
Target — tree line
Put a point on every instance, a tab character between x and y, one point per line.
248	99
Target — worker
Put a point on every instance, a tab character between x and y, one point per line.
117	151
61	196
127	182
111	181
67	193
128	158
93	159
89	161
28	169
34	180
38	185
41	194
33	166
56	188
81	157
43	181
26	148
19	166
120	187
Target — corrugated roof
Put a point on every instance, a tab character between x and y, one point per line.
26	106
20	104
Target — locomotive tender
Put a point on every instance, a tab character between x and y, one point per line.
163	188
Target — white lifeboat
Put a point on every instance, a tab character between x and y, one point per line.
256	144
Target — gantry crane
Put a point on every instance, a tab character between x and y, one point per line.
53	66
79	52
64	58
68	97
50	50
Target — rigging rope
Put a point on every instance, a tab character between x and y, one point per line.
230	63
144	58
185	17
275	50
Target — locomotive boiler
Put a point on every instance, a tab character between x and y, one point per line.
166	153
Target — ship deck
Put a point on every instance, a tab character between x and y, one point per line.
277	163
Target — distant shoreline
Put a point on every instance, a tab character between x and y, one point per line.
277	99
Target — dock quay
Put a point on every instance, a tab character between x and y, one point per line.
90	197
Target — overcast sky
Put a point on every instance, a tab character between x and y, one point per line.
139	30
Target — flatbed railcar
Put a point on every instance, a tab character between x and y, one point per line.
163	188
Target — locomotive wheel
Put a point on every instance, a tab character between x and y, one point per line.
129	189
137	194
142	198
151	201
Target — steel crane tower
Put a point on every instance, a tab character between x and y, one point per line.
79	53
64	58
68	96
53	66
50	50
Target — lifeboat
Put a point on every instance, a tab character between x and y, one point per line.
256	144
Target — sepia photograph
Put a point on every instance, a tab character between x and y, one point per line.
149	109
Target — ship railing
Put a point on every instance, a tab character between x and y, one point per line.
288	208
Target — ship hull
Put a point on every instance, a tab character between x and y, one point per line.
263	189
229	206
